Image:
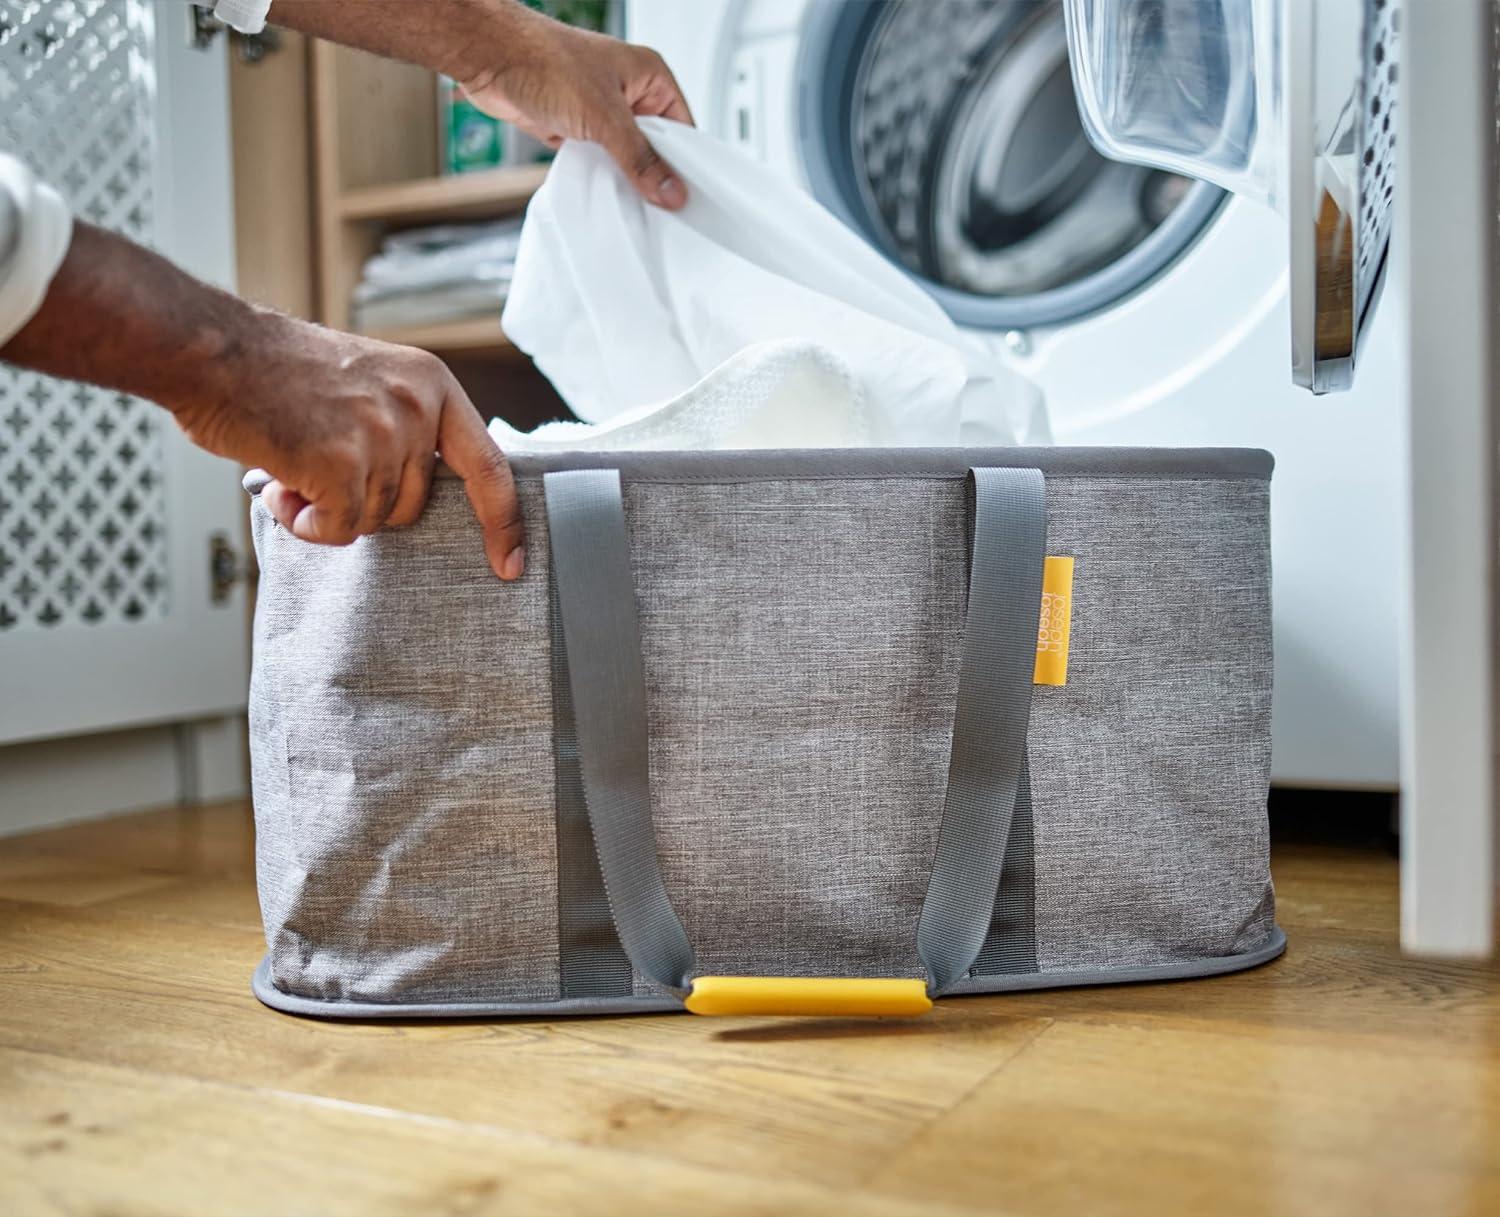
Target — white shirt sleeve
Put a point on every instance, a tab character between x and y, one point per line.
35	231
246	16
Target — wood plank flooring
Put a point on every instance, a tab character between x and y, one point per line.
138	1075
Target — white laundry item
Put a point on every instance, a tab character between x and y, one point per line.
623	304
430	257
429	306
786	394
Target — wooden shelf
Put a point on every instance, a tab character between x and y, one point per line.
471	336
484	194
374	149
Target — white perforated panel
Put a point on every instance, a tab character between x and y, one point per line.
1377	167
83	516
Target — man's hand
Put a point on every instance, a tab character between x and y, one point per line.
558	83
551	80
348	427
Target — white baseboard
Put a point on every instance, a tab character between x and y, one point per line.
51	782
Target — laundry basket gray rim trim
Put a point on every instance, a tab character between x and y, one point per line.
856	464
794	464
268	994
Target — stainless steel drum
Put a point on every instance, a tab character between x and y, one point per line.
949	135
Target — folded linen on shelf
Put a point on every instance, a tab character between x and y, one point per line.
429	275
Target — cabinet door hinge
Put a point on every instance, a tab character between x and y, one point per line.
225	568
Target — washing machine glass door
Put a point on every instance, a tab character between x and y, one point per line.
1286	101
948	133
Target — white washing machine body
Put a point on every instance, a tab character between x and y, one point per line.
1199	355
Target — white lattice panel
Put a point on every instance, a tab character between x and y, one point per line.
83	518
1377	166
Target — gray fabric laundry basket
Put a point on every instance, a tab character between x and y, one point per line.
770	714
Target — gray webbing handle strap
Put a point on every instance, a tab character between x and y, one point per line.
596	599
596	596
590	960
988	755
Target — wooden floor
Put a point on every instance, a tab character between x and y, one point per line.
138	1075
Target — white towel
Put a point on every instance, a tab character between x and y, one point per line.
770	395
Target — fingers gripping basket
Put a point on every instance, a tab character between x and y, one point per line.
771	715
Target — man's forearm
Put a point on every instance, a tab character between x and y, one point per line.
553	81
347	426
123	317
459	38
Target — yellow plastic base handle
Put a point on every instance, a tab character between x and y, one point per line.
809	995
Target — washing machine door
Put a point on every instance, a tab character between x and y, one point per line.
1289	102
948	134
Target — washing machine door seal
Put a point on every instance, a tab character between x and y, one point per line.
957	151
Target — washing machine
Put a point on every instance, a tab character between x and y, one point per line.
1152	310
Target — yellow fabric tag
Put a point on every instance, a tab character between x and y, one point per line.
1056	621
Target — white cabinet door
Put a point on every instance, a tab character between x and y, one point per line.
1444	257
108	517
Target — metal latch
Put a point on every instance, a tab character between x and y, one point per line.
251	48
204	27
225	568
